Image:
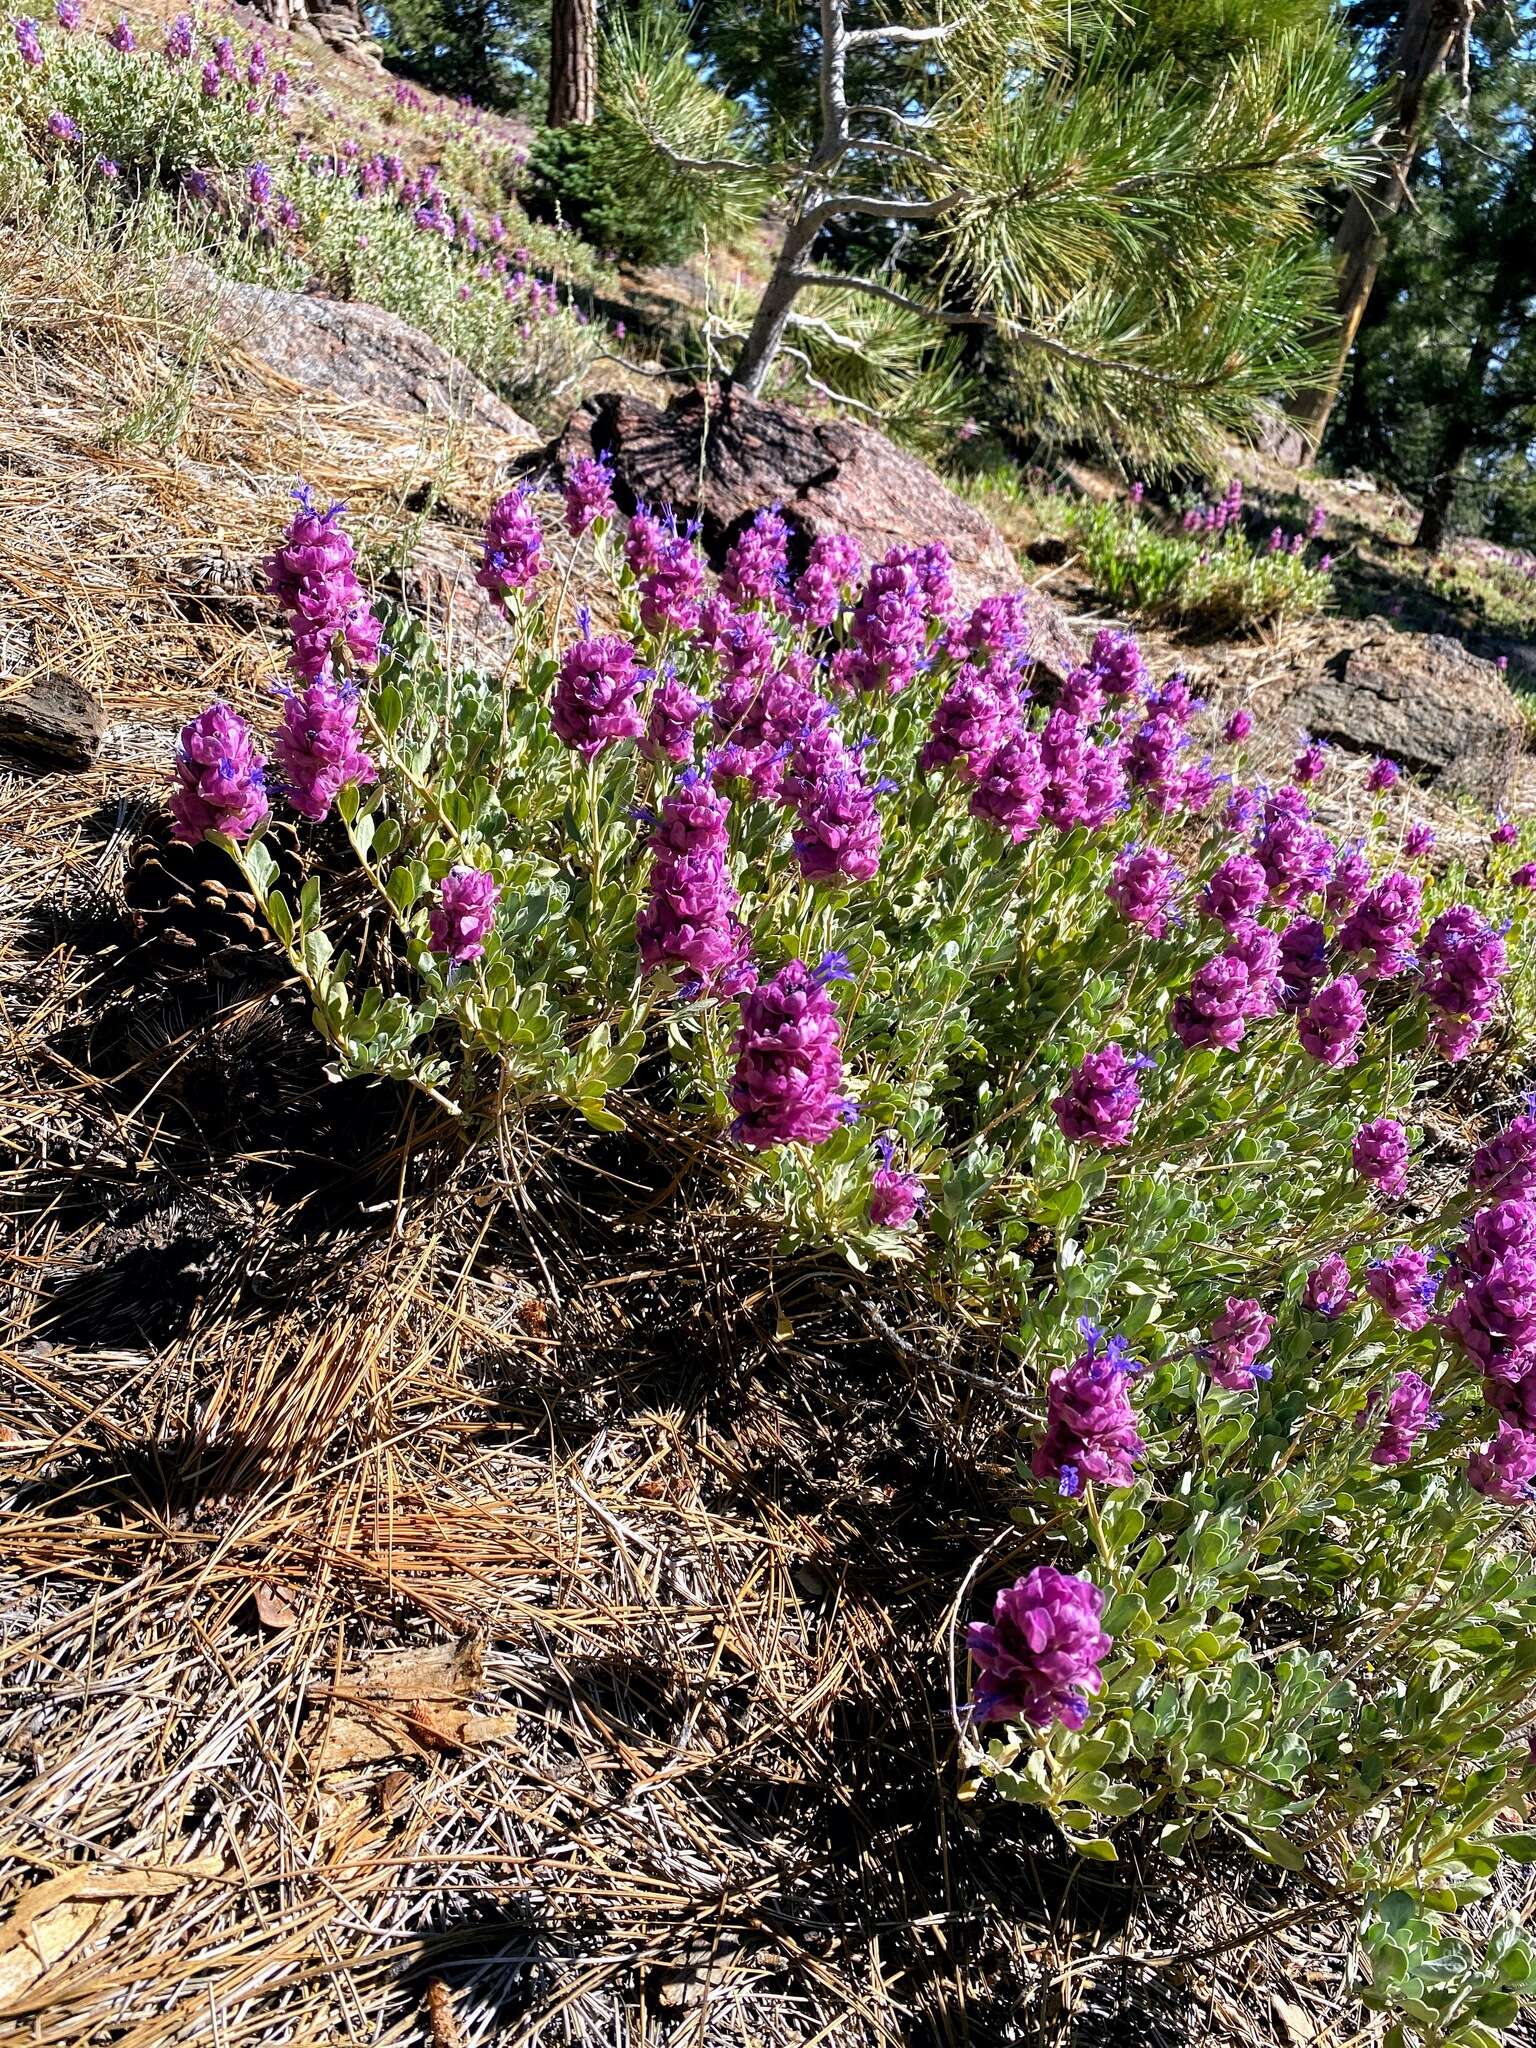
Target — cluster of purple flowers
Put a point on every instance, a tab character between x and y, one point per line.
514	545
787	1084
1239	1336
837	827
689	919
1464	961
1407	1414
313	576
220	777
756	568
1038	1658
317	747
1099	1104
895	1198
831	569
1090	1424
596	697
461	920
588	492
1380	1155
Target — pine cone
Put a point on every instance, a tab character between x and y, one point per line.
192	910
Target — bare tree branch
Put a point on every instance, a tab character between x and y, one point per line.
860	38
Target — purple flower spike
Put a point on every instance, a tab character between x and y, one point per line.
832	568
1237	889
895	1198
1238	1336
1238	727
1038	1657
1327	1291
28	44
1384	926
1119	665
1403	1287
756	568
595	699
1380	1155
669	727
1141	888
787	1087
1408	1413
977	713
460	921
514	545
219	778
837	830
1505	1469
1090	1426
1330	1026
1215	1007
588	492
689	919
313	577
1101	1100
1382	775
317	748
1010	793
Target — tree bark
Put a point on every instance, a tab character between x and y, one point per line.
572	63
1427	31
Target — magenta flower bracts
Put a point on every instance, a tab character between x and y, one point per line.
1090	1425
1142	887
1239	1336
756	568
1038	1658
1380	1155
1407	1414
977	713
462	918
220	778
313	576
317	748
588	492
1505	1470
514	546
787	1087
831	569
895	1198
1403	1286
689	919
1099	1104
596	698
1327	1290
1330	1025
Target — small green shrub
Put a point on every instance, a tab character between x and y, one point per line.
577	173
1219	581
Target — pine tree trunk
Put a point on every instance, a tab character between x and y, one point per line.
766	337
1427	30
572	63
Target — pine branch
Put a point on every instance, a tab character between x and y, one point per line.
1010	330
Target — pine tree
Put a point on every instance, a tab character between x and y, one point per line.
1442	400
1132	232
1422	36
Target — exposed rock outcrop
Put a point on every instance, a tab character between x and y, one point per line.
1442	713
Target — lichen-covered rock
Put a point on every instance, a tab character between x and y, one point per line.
720	456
